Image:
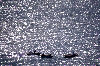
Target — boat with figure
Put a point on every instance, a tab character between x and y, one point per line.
70	55
33	53
46	56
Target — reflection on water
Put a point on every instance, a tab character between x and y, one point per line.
54	27
36	61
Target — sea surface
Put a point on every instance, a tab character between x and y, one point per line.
54	27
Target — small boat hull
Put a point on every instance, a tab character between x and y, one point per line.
46	56
33	54
70	55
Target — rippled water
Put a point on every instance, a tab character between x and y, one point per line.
50	26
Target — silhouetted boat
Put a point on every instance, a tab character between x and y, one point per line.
30	53
70	55
46	56
33	53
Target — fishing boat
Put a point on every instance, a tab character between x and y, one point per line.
46	56
70	55
33	53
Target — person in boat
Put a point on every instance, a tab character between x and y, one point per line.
46	56
30	53
33	53
70	55
36	53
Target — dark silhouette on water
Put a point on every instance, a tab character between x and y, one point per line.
70	55
33	53
46	56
